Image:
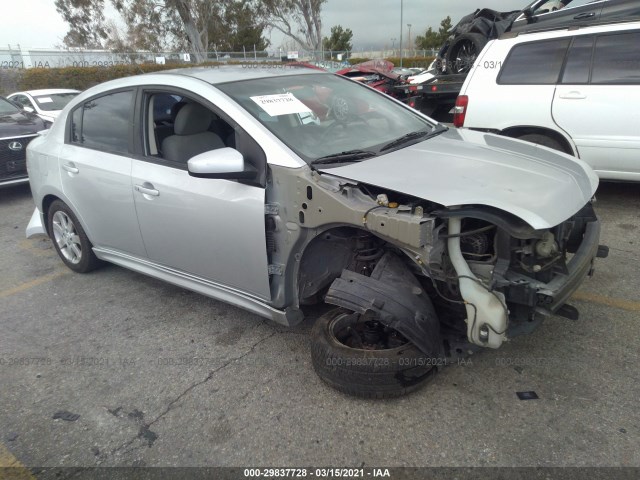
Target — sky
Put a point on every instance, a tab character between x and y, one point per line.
373	22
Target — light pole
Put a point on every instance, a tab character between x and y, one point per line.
393	46
401	28
409	42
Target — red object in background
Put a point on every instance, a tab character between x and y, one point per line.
376	74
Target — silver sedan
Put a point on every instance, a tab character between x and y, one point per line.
274	188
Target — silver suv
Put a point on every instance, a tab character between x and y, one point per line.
273	189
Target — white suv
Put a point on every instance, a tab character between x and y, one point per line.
575	90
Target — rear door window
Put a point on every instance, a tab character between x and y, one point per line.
617	59
103	123
535	63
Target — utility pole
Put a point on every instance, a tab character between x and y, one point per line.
393	47
401	28
409	42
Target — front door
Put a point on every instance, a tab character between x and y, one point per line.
210	228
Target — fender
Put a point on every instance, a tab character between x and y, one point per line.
397	299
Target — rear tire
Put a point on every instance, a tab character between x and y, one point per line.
70	240
543	140
384	373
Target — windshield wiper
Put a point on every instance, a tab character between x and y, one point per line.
348	156
413	136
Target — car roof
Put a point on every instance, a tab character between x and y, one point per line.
569	31
47	91
224	74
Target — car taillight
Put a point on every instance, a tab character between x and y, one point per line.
413	88
460	110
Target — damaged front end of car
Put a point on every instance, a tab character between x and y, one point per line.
447	279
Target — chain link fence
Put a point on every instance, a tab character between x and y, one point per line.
20	58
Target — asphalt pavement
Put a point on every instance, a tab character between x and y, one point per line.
114	368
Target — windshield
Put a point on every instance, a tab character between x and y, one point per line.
55	101
323	115
7	108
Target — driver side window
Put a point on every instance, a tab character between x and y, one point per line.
177	128
580	3
22	100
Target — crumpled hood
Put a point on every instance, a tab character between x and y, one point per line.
464	167
382	67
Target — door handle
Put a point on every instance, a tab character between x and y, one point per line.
70	168
149	190
582	16
573	95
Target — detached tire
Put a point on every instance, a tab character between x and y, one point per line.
543	140
463	52
366	373
70	240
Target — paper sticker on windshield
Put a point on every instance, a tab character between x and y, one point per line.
280	104
44	99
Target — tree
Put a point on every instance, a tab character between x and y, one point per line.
183	22
445	28
147	27
340	40
160	25
241	26
429	40
432	39
297	19
86	22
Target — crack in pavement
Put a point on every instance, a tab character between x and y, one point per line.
145	427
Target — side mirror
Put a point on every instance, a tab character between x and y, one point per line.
28	109
221	163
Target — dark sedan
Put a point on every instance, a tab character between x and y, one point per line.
17	129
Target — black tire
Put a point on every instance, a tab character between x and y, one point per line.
463	51
366	373
70	240
543	140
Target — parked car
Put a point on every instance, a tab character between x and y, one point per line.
471	34
378	74
576	91
47	104
277	189
438	88
17	129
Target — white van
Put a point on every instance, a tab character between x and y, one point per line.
576	90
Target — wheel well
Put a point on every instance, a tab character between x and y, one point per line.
46	203
515	132
329	253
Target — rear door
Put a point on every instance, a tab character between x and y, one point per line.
595	102
95	171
